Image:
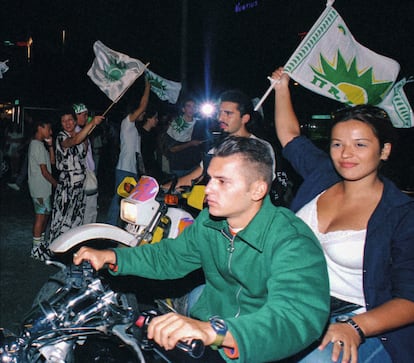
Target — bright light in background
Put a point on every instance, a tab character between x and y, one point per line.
207	109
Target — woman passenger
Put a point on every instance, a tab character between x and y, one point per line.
366	229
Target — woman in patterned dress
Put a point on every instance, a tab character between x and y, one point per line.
71	147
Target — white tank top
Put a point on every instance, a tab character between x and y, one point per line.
344	253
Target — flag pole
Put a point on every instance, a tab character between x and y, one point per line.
120	96
272	83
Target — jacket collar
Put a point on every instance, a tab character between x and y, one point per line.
253	233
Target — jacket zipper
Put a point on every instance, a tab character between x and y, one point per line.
230	249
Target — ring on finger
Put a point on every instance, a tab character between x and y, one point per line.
340	342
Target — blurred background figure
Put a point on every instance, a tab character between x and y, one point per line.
130	145
149	145
41	156
184	139
71	149
14	150
91	206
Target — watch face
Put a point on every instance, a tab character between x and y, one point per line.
218	325
342	318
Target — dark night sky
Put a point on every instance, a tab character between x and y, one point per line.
225	49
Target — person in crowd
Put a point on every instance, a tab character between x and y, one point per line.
147	131
18	183
259	290
164	123
130	153
235	113
13	149
185	137
365	226
71	149
91	206
41	181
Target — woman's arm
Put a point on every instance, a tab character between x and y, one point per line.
394	314
286	122
83	134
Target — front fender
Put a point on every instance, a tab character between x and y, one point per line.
91	231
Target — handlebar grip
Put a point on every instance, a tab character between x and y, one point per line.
195	349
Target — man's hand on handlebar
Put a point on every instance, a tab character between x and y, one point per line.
169	329
97	258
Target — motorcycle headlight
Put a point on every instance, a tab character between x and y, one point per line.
138	213
129	211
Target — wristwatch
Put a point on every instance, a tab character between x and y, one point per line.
348	320
220	327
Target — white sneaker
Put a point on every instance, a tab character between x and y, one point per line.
40	252
13	186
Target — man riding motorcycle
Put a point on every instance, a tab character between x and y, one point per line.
260	302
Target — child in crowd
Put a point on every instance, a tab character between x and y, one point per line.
41	155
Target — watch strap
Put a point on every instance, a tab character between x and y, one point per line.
358	329
344	319
218	342
220	327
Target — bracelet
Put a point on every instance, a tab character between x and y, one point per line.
358	329
345	319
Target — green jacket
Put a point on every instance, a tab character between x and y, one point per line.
269	283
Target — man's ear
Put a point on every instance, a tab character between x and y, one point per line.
386	151
245	118
259	190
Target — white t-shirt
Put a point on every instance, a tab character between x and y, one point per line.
130	145
39	187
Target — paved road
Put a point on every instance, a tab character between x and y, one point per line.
20	276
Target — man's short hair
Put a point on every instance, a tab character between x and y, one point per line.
39	123
245	105
187	100
253	150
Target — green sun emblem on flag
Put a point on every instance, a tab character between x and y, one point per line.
361	86
157	84
115	71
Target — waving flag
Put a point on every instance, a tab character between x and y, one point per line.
114	72
329	61
3	68
166	90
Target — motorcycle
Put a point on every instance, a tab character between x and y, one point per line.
79	315
150	214
85	321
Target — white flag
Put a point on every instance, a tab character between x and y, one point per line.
3	68
166	90
397	106
329	61
114	72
